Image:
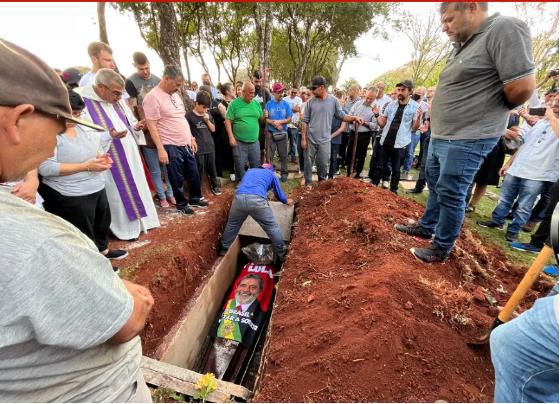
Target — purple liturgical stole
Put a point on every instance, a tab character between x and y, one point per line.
120	169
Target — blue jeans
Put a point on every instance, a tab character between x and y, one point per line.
525	355
333	165
257	207
156	169
182	165
245	152
450	169
409	158
293	134
526	191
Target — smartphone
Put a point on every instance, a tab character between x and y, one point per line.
537	111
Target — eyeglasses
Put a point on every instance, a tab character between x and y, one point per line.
313	88
174	102
114	92
294	93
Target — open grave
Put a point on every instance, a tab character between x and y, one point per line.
355	318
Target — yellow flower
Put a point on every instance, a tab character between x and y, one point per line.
205	386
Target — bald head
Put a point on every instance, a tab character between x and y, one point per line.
248	91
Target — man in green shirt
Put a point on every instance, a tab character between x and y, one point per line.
242	127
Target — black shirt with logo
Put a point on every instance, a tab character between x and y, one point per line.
201	133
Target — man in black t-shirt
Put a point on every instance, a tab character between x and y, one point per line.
202	126
399	119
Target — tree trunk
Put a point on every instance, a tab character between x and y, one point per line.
263	27
103	37
186	57
169	40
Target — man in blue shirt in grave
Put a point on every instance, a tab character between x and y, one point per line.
251	199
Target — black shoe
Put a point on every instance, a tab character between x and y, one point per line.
429	255
116	270
414	230
470	209
414	191
186	211
490	224
511	237
216	191
284	178
116	254
201	203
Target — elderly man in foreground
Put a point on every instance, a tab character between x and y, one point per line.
68	325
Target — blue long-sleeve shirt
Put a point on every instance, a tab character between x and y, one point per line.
258	181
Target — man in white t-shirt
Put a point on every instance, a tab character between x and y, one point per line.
295	102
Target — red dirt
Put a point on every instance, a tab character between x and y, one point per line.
358	318
174	262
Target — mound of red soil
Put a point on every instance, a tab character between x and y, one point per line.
358	318
172	262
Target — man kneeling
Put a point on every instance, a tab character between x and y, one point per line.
251	199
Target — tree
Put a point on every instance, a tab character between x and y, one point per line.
429	45
103	37
262	14
542	18
168	36
349	83
321	34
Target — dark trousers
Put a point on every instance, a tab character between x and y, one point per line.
342	150
333	165
223	156
394	157
423	146
207	165
182	165
375	146
421	181
361	152
542	235
89	213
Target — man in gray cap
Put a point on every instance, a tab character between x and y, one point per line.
68	325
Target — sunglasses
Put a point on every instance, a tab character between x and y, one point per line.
313	88
294	92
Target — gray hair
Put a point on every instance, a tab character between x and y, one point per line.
460	6
107	77
172	72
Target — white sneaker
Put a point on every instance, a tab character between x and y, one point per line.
314	169
385	184
232	177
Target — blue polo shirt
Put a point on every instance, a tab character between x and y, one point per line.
278	110
258	181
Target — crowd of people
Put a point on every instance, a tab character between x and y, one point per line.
122	145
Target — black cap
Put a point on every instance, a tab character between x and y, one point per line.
26	79
72	77
76	101
317	81
405	83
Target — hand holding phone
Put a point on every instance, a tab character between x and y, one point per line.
537	111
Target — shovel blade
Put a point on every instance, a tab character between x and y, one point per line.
484	339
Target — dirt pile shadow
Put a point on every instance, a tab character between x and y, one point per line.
358	318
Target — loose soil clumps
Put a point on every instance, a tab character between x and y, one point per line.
172	261
358	318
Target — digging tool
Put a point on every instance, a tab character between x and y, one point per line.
519	293
353	160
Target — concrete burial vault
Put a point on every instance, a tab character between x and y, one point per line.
183	346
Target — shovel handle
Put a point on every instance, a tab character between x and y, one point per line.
530	276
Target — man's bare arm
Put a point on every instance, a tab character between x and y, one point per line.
519	91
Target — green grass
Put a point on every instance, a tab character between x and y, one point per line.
484	212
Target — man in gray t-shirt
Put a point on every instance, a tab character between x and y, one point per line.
316	130
482	80
68	325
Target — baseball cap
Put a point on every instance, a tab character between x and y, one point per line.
405	83
26	79
72	77
277	88
317	81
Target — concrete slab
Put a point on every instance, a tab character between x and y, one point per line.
284	215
